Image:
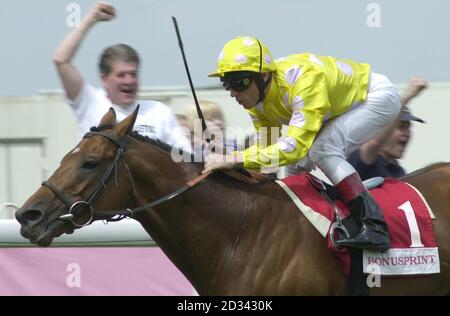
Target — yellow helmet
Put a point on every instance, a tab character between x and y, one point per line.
244	53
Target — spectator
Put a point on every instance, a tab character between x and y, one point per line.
379	156
215	123
119	74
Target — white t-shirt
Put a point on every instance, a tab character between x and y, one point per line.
154	119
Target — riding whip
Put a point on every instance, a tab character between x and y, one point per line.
197	105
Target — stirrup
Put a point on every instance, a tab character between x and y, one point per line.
338	225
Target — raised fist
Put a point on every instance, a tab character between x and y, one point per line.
102	11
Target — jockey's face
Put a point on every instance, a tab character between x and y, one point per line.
121	84
248	97
398	140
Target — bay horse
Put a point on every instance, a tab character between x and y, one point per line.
226	236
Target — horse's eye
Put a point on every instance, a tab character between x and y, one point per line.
90	164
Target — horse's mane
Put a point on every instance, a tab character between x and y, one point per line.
168	149
154	142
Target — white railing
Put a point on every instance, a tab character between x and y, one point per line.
126	233
7	210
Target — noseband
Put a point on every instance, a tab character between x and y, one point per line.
112	215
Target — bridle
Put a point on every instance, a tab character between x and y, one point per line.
111	215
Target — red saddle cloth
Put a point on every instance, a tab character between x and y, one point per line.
407	215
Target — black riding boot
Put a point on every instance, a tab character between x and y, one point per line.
373	234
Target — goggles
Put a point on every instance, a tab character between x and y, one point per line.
236	83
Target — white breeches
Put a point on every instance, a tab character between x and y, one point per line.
349	131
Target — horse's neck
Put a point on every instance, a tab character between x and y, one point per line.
196	229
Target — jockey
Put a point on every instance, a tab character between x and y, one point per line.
331	107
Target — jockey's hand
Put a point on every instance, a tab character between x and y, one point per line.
218	161
102	11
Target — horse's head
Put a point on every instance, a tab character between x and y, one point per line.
69	198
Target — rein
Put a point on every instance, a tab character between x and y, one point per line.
112	215
131	212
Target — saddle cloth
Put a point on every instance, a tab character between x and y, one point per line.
407	214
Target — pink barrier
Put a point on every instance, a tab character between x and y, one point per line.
90	271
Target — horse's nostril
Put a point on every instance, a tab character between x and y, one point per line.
32	215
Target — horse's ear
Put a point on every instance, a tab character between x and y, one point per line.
109	119
126	126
